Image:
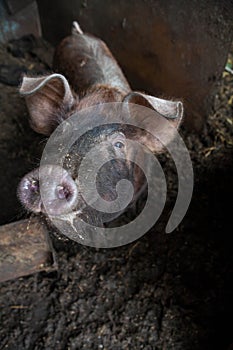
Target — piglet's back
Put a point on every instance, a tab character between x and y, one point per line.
86	61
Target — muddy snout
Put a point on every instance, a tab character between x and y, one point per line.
48	189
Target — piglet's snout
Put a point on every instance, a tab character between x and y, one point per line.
48	189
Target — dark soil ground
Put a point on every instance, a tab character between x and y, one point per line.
163	292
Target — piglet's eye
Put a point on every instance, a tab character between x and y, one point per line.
119	144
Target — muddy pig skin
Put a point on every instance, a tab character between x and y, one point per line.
86	74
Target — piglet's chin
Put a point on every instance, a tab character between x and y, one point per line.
54	185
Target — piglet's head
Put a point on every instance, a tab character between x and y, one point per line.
50	100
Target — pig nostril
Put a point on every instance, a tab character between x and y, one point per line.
34	186
63	192
30	186
58	190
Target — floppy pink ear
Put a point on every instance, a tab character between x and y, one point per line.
163	123
48	99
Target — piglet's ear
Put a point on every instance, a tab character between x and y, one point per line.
48	99
172	110
163	123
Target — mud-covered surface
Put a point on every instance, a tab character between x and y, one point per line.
162	292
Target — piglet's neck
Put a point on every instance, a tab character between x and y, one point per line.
100	94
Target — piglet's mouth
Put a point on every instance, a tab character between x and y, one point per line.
48	189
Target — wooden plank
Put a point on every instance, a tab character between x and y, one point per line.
25	248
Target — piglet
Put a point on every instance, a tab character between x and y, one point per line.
86	75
